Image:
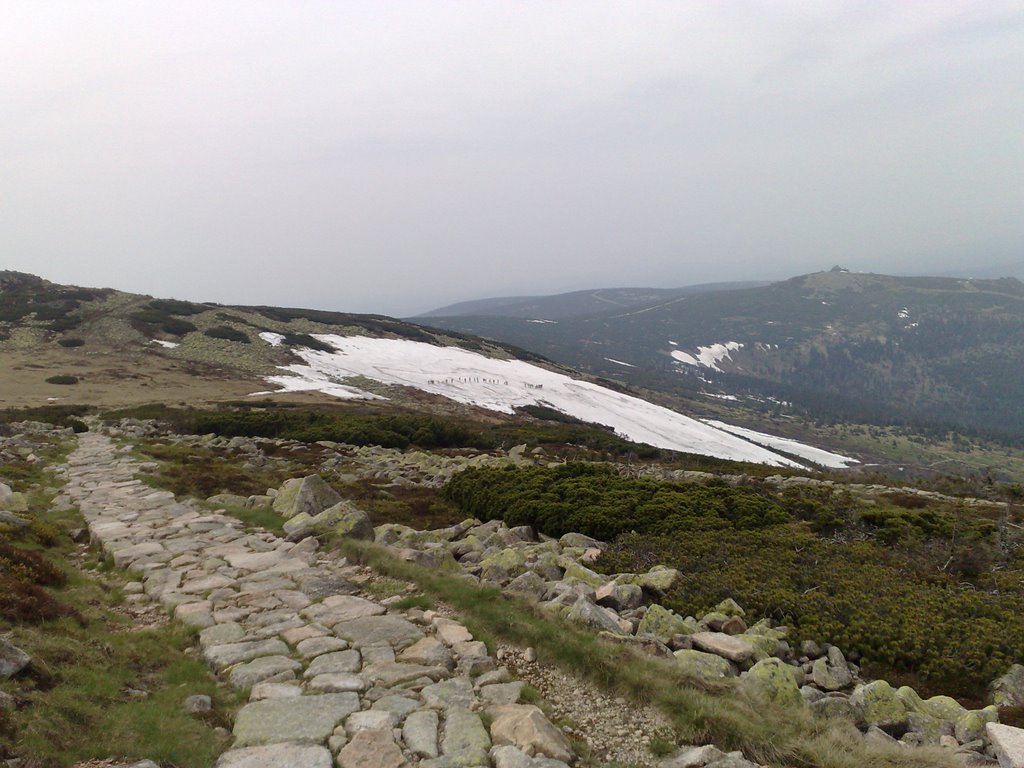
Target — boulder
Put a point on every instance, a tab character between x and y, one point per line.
579	541
619	597
503	565
595	617
420	733
227	500
657	581
306	494
663	624
12	660
1007	743
528	583
773	679
1008	690
277	756
877	704
829	677
345	520
727	646
524	726
706	666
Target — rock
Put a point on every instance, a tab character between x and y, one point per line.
595	617
370	720
429	652
227	500
299	527
876	735
420	733
221	656
465	740
828	677
310	495
457	692
502	693
579	541
645	643
834	707
312	647
9	518
12	660
877	704
395	631
971	725
399	706
507	756
733	625
198	703
345	520
774	679
262	691
1008	744
944	708
658	580
374	748
619	597
530	655
15	502
451	632
277	756
730	607
693	757
305	719
525	726
336	662
663	624
706	666
265	667
221	634
336	682
528	583
1008	690
503	565
727	646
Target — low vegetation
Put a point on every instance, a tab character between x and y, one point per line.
62	379
932	595
227	333
699	713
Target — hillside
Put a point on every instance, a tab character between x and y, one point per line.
65	344
937	353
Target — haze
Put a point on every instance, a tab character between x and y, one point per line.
394	157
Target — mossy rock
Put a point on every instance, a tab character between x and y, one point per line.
764	646
878	704
15	502
663	624
658	580
574	570
503	565
704	666
730	607
944	708
928	727
774	680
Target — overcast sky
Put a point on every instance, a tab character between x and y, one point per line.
395	156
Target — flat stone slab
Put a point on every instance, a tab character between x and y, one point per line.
277	756
1008	743
336	683
338	662
395	631
304	720
221	656
727	646
264	668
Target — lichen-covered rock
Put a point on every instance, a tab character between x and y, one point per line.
706	666
503	565
774	679
575	571
663	624
619	597
595	617
829	677
944	708
12	659
345	520
730	607
737	648
1008	690
971	725
306	494
658	580
878	704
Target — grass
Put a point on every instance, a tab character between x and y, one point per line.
97	686
698	712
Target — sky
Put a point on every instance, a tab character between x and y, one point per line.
395	156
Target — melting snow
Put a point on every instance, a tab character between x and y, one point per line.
165	344
619	362
817	455
552	322
709	356
504	385
903	314
273	339
721	397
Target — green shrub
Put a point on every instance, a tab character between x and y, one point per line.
177	327
228	333
62	379
70	343
176	307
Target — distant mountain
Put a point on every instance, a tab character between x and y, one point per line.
942	352
577	303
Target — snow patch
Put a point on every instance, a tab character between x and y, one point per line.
273	339
166	344
721	397
619	362
552	322
505	385
708	357
817	455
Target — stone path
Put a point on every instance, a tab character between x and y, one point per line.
333	677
